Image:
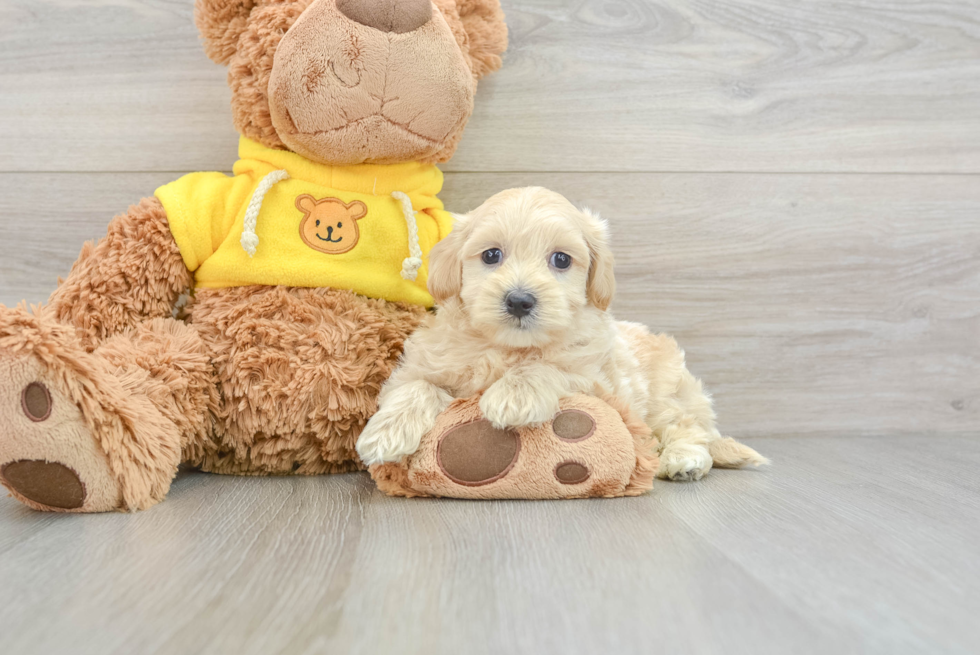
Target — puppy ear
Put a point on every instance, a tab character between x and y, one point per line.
221	22
601	286
446	263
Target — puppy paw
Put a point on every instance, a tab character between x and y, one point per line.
509	403
684	462
389	437
407	413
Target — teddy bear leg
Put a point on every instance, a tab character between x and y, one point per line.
299	371
169	363
133	274
99	431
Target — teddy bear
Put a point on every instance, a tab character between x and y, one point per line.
592	448
244	324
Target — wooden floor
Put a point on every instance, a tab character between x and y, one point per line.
847	545
794	189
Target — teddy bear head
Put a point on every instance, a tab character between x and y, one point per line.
354	81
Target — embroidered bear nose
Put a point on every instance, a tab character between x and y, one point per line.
398	16
519	304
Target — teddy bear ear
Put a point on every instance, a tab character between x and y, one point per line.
486	29
221	22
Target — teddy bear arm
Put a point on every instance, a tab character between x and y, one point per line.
132	274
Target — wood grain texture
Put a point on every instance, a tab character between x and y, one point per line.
808	304
818	307
850	545
588	85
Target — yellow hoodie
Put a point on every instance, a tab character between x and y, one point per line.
284	220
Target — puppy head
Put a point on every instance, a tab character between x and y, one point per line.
524	266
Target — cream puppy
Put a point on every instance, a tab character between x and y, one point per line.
523	284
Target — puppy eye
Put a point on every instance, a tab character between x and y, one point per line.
492	256
560	260
318	223
340	225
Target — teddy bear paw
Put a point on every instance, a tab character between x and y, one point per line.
584	450
49	459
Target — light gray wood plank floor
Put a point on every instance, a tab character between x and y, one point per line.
794	190
847	545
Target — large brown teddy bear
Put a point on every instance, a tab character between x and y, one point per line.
308	264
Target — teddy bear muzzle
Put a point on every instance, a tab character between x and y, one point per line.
352	83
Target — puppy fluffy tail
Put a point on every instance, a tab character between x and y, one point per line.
730	454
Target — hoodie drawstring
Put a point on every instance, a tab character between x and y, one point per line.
411	264
250	240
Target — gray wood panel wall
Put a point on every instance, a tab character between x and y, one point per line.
794	187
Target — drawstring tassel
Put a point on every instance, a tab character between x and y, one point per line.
250	240
411	264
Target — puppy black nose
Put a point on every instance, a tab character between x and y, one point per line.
519	303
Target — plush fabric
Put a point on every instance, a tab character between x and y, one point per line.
486	31
206	213
299	372
221	23
397	17
103	427
133	273
247	35
341	87
106	389
257	380
592	448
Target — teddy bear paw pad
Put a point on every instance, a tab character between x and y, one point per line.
572	473
45	483
49	459
573	425
476	453
35	400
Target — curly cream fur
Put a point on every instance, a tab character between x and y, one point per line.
568	344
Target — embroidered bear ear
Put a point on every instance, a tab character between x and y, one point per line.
307	203
356	210
221	23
